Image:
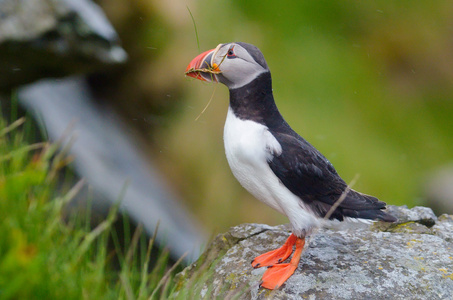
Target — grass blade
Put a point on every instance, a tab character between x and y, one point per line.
195	27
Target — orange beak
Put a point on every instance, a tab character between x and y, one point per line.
200	67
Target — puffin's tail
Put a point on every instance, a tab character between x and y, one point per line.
371	208
376	214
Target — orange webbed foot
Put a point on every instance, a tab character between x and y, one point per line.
275	256
276	275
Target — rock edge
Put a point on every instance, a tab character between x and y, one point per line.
410	259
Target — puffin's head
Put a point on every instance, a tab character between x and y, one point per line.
233	64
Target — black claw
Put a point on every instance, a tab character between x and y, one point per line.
279	260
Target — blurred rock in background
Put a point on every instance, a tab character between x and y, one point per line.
108	155
438	189
53	38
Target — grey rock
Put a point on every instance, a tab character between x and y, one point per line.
54	38
107	155
340	261
418	214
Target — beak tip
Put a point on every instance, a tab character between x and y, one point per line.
192	69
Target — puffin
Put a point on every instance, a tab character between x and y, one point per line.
274	163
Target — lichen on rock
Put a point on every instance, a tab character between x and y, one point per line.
412	258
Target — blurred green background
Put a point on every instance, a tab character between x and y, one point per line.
369	83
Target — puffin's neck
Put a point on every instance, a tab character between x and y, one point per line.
255	101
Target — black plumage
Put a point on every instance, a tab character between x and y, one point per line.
300	166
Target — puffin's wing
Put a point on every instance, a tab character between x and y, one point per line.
309	175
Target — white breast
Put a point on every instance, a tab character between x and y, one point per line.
248	147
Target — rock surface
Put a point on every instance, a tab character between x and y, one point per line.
54	38
411	259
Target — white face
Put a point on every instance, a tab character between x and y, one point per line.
236	65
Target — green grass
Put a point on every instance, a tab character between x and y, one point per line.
46	255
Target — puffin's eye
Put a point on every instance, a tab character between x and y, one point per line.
230	53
